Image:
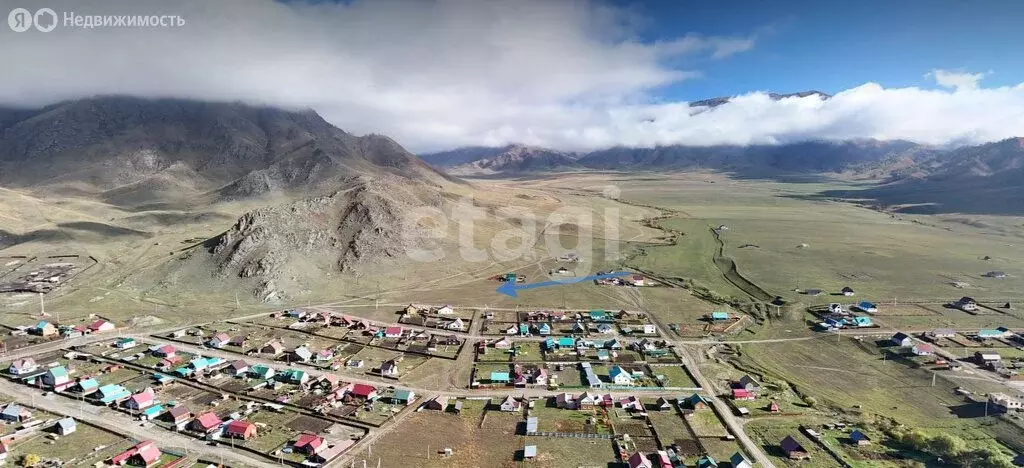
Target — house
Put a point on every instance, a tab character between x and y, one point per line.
603	355
531	425
178	415
5	448
835	308
445	310
152	412
544	329
631	404
101	326
598	315
695	402
309	444
989	333
650	329
565	401
145	453
706	462
613	344
366	392
295	376
16	413
165	351
524	329
503	343
566	342
112	393
942	333
393	332
1003	402
862	321
44	328
739	461
967	304
719	316
847	291
859	438
240	429
986	357
324	355
56	377
868	307
604	328
65	426
125	343
140	401
748	383
813	292
302	354
438	403
578	327
619	376
510	404
638	280
261	371
592	380
389	368
662	404
742	394
500	377
529	452
639	460
238	368
773	407
587	401
455	325
23	366
901	339
793	449
205	423
86	386
273	348
512	330
922	349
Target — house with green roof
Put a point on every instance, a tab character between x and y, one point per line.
295	376
403	397
694	402
707	462
125	343
262	371
500	377
56	377
152	412
717	316
112	393
598	315
566	342
524	329
86	386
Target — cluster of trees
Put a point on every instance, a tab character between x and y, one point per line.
952	449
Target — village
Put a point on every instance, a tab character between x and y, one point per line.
306	387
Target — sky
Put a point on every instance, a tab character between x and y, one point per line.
567	74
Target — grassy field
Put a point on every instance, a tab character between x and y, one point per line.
675	376
770	433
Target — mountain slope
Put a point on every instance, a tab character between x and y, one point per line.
110	144
717	101
516	158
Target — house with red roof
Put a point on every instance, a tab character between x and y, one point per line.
363	391
205	423
140	401
218	340
165	351
309	444
742	394
146	453
240	429
639	460
393	332
101	326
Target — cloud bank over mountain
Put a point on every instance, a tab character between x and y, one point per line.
571	75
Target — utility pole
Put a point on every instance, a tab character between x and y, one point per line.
933	378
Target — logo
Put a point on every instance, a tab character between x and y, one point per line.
20	20
45	19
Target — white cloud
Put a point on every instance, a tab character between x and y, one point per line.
956	79
445	73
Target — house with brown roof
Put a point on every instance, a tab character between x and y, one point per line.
438	403
793	449
178	415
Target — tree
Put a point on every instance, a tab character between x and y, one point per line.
985	458
810	401
947	445
30	460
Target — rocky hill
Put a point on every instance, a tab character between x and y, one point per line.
517	158
136	151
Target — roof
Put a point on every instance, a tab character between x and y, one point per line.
239	426
12	409
900	336
208	420
88	384
403	394
363	390
789	444
59	371
179	411
719	315
499	376
924	348
393	331
67	423
43	324
638	460
615	371
153	410
142	398
737	459
531	424
530	451
858	436
311	440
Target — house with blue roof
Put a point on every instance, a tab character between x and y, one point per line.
992	333
719	316
152	412
598	315
868	307
566	342
620	376
707	462
603	355
862	321
500	377
125	343
86	386
112	393
544	329
548	344
524	329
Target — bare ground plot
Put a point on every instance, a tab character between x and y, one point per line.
705	423
560	452
770	433
551	419
416	441
669	426
77	448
